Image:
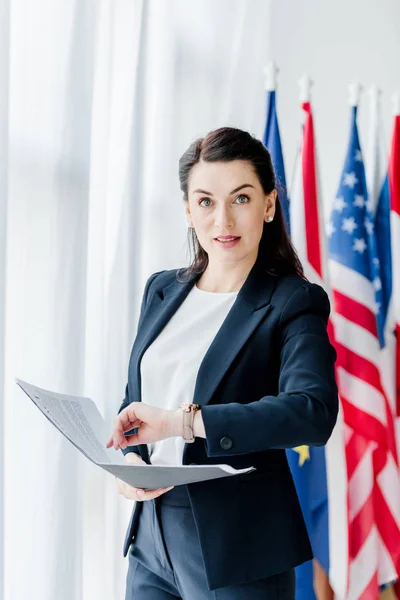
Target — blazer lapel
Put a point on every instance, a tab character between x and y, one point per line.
160	308
250	307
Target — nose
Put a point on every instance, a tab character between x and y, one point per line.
223	218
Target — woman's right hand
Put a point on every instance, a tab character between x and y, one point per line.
132	493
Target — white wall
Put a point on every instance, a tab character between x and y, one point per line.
335	43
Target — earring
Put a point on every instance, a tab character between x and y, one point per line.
270	219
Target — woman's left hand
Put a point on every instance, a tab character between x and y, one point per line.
153	424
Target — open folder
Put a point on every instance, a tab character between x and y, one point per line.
80	421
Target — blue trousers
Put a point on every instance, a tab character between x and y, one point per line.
166	563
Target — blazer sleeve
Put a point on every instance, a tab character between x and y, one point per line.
127	400
305	410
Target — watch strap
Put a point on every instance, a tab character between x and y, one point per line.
189	411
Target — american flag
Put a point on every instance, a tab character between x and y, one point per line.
371	455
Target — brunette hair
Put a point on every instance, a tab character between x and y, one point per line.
275	251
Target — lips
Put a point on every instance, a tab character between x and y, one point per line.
227	243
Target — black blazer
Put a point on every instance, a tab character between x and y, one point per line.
266	383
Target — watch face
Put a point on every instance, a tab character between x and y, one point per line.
188	407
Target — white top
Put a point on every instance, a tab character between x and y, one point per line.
170	364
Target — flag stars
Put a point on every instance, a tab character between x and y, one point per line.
304	454
377	283
349	225
350	179
330	229
376	307
359	245
339	204
369	205
358	156
369	226
359	201
353	215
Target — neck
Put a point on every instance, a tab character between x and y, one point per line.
223	278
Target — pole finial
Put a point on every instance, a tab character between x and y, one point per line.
305	84
355	90
396	103
271	75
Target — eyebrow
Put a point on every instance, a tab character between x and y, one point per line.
232	192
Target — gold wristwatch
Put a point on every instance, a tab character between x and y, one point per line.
189	410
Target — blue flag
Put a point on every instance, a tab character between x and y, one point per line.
272	141
383	242
308	468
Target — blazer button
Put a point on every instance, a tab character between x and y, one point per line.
226	443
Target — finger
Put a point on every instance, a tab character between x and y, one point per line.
128	440
132	493
127	418
119	440
118	434
134	439
128	491
145	495
165	490
121	486
131	440
150	494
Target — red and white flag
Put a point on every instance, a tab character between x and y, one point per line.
394	186
308	237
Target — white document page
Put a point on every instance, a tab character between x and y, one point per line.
80	421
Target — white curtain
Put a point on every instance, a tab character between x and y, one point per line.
98	100
4	81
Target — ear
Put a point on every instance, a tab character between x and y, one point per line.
270	202
187	214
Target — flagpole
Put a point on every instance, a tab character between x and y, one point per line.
373	159
355	90
272	140
396	104
271	76
305	84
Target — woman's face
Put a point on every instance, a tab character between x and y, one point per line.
226	199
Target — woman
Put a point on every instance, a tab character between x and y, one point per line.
240	336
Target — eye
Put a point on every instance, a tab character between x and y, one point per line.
208	200
243	196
